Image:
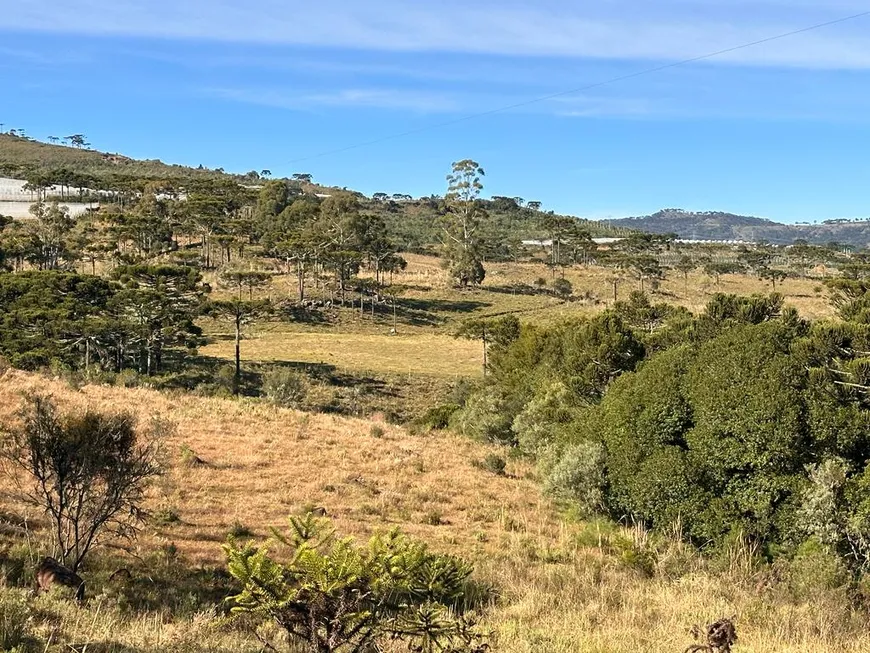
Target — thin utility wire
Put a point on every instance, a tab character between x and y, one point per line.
607	82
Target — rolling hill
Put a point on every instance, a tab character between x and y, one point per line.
718	225
412	222
18	155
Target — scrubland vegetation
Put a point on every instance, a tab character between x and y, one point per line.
564	445
555	581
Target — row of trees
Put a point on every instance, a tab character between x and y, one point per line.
136	319
140	219
144	317
310	236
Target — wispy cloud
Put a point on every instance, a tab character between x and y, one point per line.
618	29
585	106
14	56
394	99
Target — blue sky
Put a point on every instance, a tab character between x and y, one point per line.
780	130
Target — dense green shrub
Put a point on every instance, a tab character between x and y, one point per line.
493	463
544	419
438	417
642	314
714	436
815	570
743	420
486	416
563	288
578	475
285	388
584	356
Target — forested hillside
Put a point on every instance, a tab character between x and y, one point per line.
90	174
717	225
20	157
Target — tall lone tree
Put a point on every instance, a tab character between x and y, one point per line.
462	223
499	331
240	310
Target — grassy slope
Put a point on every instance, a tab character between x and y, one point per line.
563	586
19	152
279	461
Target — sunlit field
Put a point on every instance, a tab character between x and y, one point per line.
414	353
429	311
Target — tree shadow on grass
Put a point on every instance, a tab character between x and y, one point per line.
164	582
408	316
519	289
444	305
302	315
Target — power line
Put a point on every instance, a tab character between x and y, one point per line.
607	82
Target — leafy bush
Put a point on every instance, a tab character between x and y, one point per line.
225	379
544	419
816	569
164	516
460	390
694	436
285	388
493	463
586	355
238	529
486	417
466	270
563	288
127	379
437	418
578	476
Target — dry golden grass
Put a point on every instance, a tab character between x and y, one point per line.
359	343
426	353
265	463
563	587
804	294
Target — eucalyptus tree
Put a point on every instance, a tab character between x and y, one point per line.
461	224
50	232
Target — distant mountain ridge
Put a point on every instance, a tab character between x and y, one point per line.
720	225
